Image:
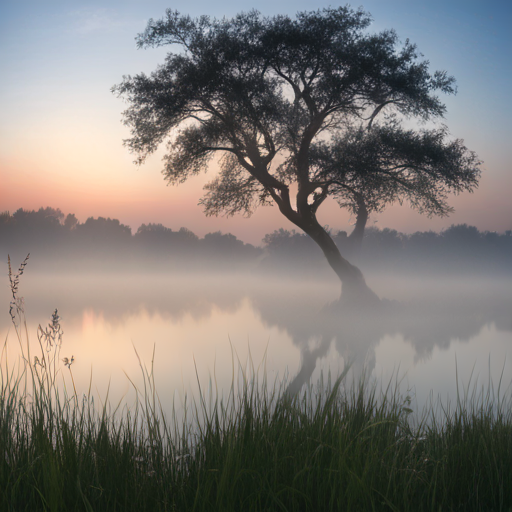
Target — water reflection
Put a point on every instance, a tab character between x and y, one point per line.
192	319
447	313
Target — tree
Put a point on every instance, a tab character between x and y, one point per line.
71	222
367	168
272	97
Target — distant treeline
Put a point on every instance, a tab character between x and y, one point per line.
57	241
458	249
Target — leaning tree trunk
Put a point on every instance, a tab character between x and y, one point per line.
355	291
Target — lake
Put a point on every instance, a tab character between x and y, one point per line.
204	329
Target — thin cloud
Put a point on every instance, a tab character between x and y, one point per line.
92	21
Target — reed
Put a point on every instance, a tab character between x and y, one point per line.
335	446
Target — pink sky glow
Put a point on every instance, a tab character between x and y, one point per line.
61	132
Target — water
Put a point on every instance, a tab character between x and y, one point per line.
204	329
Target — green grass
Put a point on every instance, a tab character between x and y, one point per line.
333	447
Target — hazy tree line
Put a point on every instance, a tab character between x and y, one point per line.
59	241
55	240
457	249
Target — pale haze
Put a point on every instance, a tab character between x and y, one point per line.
156	358
61	132
426	314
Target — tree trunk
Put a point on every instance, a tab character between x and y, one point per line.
355	291
356	237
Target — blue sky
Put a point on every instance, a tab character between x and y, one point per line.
61	132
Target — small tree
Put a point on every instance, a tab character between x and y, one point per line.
278	99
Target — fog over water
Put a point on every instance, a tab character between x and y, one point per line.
428	332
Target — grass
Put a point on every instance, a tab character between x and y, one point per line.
335	446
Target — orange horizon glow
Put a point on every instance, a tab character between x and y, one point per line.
61	132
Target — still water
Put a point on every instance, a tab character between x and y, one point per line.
202	329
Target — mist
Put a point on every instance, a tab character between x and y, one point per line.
58	242
199	308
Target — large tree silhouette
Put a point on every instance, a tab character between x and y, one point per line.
269	96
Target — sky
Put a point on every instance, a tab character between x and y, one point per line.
61	131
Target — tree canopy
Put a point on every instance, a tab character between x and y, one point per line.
368	168
309	107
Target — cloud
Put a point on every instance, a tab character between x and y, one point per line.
92	21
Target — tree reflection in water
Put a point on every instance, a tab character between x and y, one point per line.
428	315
